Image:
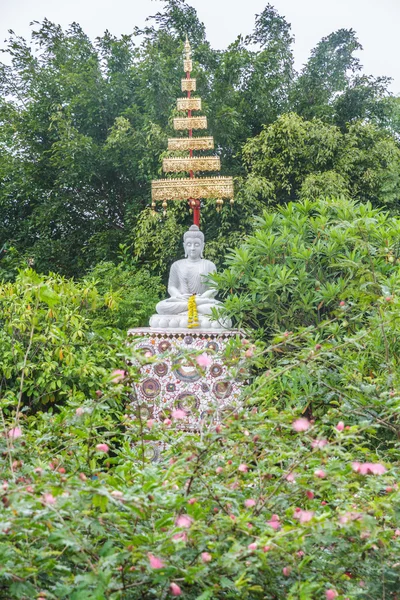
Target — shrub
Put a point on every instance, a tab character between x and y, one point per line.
269	505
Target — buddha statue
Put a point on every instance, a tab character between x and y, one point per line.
186	279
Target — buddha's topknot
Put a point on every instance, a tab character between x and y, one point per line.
194	232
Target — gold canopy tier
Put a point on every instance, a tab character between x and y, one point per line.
188	104
187	65
185	123
187	189
193	143
198	163
188	85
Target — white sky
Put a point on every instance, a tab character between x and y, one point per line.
376	22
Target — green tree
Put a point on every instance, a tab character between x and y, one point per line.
84	124
294	158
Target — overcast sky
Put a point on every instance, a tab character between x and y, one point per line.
376	22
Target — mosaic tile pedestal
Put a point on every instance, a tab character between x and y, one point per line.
173	380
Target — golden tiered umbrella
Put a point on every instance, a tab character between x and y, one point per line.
192	189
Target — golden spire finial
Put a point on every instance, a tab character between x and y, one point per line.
187	48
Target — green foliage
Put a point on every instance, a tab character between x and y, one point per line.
277	515
294	158
261	505
130	293
304	259
49	350
84	124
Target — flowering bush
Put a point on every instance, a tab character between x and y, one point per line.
294	496
256	508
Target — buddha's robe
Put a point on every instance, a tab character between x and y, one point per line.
187	277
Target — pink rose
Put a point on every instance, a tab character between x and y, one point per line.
340	426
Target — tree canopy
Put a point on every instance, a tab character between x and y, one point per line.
84	125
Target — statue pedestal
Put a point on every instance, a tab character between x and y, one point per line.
175	380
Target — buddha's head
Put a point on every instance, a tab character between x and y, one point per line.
193	243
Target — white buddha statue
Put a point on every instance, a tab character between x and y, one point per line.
186	279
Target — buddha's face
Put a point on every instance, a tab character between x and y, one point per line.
193	248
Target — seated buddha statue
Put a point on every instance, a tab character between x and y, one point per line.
187	278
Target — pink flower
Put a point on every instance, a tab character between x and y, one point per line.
266	548
249	352
320	473
340	426
318	443
204	360
180	537
397	533
252	546
178	414
167	422
286	571
175	589
150	423
48	498
310	494
304	515
290	477
274	522
79	411
249	503
243	468
102	448
331	594
183	521
15	433
38	470
219	470
366	468
155	563
206	557
118	375
301	425
349	516
192	500
117	494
